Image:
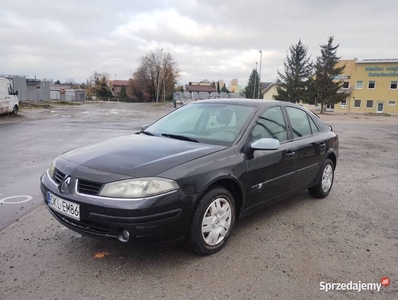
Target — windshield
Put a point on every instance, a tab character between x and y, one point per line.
206	123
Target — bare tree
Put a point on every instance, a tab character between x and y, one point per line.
70	81
157	71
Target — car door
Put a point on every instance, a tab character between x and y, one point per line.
310	147
270	172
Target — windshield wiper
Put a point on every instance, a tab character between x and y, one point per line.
179	137
146	132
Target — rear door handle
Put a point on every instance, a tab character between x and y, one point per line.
322	145
290	154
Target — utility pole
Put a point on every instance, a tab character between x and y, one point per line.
259	88
157	93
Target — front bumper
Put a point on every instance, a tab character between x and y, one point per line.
149	220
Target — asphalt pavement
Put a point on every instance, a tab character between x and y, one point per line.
283	252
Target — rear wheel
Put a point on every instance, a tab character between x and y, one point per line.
212	222
325	183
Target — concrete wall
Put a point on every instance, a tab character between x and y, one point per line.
38	90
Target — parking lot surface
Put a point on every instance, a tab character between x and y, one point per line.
282	252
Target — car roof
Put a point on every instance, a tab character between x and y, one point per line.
243	101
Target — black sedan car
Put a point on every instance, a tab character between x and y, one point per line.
191	174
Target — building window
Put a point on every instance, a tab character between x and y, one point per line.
357	103
343	104
372	85
360	84
393	85
346	84
369	103
392	103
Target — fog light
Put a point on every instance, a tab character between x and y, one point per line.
124	236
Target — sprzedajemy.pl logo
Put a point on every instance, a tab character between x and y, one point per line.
354	286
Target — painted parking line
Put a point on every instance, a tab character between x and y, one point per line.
23	199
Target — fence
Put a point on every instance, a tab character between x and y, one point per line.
205	95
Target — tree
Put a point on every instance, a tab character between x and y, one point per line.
157	71
252	88
69	81
179	88
98	85
324	85
224	89
57	82
293	84
123	92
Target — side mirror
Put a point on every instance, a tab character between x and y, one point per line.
143	127
265	144
16	93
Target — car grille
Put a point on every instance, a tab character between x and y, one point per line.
88	187
85	225
58	176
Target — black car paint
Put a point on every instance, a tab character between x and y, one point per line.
195	167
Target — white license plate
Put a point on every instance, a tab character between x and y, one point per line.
65	207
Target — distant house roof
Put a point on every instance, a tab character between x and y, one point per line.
265	86
121	82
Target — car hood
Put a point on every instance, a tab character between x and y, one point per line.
139	155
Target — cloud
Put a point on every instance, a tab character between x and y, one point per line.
209	39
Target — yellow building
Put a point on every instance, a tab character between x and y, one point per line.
373	84
234	87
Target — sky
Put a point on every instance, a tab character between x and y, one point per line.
208	39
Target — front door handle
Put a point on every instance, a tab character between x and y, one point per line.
290	154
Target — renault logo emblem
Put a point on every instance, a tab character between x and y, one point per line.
64	184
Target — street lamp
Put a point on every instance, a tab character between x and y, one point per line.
259	88
157	93
255	80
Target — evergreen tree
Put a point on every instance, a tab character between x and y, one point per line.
253	85
123	93
293	84
103	89
324	86
224	89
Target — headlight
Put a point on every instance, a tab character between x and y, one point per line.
51	169
138	188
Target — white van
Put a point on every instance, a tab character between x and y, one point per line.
8	99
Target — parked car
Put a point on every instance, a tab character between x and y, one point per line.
8	98
191	174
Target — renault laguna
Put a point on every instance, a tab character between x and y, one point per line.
190	175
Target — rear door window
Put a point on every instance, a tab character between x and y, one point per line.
300	123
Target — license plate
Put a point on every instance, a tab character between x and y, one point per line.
65	207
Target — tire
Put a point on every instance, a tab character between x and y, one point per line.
325	183
212	222
15	110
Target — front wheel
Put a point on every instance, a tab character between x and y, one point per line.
212	222
325	183
15	110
